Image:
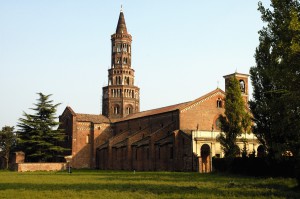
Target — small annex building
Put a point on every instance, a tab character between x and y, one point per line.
179	137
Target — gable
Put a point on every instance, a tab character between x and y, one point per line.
202	113
200	100
68	112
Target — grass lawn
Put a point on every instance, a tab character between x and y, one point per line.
123	184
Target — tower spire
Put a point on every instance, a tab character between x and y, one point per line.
121	27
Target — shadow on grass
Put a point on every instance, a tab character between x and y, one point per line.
157	183
115	187
156	189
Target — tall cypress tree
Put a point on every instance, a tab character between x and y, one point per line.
38	135
235	121
276	79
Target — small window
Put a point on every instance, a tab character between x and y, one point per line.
87	139
219	103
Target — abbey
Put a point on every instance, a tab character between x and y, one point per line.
180	137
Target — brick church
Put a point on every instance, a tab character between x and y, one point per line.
180	137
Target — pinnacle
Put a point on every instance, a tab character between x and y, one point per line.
121	27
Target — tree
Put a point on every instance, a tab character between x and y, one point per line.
276	79
236	119
7	142
39	137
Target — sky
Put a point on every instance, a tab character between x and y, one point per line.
180	50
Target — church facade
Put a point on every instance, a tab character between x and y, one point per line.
179	137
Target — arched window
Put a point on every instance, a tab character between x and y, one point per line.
116	109
219	103
129	109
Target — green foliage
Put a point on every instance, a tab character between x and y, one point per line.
38	137
236	120
7	142
126	184
276	79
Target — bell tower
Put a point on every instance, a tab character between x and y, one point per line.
120	97
243	80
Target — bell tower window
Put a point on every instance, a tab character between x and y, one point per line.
116	109
118	48
128	110
242	86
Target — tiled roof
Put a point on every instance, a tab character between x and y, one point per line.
91	118
153	111
180	106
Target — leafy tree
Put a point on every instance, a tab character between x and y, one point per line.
7	142
39	137
276	79
236	119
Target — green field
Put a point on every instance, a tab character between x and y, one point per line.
121	184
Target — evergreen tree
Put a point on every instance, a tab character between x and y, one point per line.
7	142
276	79
236	120
39	137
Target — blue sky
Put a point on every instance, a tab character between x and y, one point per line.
180	50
